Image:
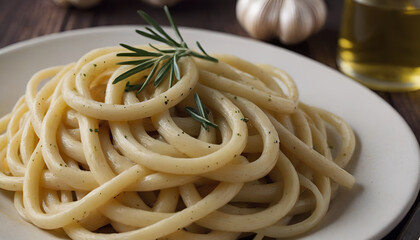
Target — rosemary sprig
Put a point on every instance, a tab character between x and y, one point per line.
201	114
161	62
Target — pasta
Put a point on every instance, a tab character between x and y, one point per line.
84	156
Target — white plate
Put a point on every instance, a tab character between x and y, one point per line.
386	165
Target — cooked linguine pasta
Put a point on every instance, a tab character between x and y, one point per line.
85	156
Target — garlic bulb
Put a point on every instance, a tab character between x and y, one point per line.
161	3
78	3
292	21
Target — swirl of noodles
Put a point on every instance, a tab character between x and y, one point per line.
85	156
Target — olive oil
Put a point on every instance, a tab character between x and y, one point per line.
379	43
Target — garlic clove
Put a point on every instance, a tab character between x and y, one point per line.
272	16
247	12
257	17
319	13
295	22
291	21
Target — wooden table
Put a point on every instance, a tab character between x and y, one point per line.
21	20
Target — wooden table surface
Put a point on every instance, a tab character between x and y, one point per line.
21	20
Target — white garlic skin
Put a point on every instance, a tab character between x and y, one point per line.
161	3
291	21
83	4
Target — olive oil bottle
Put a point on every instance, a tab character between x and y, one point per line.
379	43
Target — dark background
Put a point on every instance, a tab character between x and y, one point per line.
22	19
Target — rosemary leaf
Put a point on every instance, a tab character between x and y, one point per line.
162	73
197	117
208	58
154	37
162	50
154	24
141	51
133	71
173	25
201	48
201	115
152	72
171	76
169	42
205	53
135	62
130	54
200	106
175	67
131	87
